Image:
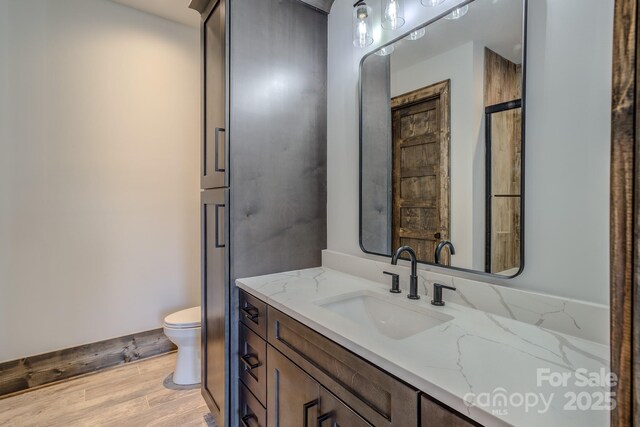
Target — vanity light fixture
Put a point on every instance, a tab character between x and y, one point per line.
432	3
392	14
362	25
417	34
387	50
458	13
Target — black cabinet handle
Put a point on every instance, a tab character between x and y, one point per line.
306	408
246	360
250	313
324	417
244	420
217	218
217	139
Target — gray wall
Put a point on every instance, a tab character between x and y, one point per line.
278	136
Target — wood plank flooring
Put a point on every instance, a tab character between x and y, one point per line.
130	395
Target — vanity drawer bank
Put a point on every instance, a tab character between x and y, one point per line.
311	379
392	361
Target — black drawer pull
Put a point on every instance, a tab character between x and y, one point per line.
244	420
246	361
217	148
324	417
251	313
217	243
306	408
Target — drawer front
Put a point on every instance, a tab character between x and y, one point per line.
252	363
432	414
335	413
253	313
376	396
252	414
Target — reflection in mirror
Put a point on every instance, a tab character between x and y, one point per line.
503	136
441	141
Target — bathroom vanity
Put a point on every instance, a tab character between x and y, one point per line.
302	376
319	345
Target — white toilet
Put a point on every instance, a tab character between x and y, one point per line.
183	329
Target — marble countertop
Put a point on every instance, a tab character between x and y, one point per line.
497	371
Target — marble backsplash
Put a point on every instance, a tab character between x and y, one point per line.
576	318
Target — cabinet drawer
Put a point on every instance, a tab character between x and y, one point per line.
375	395
253	313
251	412
335	413
252	363
433	414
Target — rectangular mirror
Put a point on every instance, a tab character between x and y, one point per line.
442	140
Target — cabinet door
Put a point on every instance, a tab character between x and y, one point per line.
214	141
215	266
432	414
292	395
334	413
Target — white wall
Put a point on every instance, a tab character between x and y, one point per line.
567	142
467	113
99	149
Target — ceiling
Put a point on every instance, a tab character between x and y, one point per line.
173	10
496	24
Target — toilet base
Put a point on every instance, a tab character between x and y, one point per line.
188	366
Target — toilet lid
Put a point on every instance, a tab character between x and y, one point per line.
189	318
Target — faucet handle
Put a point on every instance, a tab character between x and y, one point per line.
395	282
437	293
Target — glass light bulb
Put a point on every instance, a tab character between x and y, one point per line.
432	3
387	50
458	13
392	14
362	25
362	34
417	34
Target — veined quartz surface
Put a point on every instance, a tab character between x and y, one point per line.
494	369
569	316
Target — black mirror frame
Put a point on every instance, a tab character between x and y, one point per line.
471	273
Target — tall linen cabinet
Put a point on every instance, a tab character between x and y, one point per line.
264	65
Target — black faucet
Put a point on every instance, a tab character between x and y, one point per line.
395	282
441	246
413	279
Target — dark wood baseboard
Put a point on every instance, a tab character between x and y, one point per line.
35	371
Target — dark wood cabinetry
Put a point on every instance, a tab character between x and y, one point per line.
378	397
252	355
433	414
215	262
253	314
292	395
214	141
296	399
334	413
312	381
251	411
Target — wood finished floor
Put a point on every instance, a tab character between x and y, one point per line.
130	395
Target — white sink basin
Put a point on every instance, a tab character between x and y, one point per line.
390	316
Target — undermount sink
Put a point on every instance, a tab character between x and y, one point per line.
394	319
